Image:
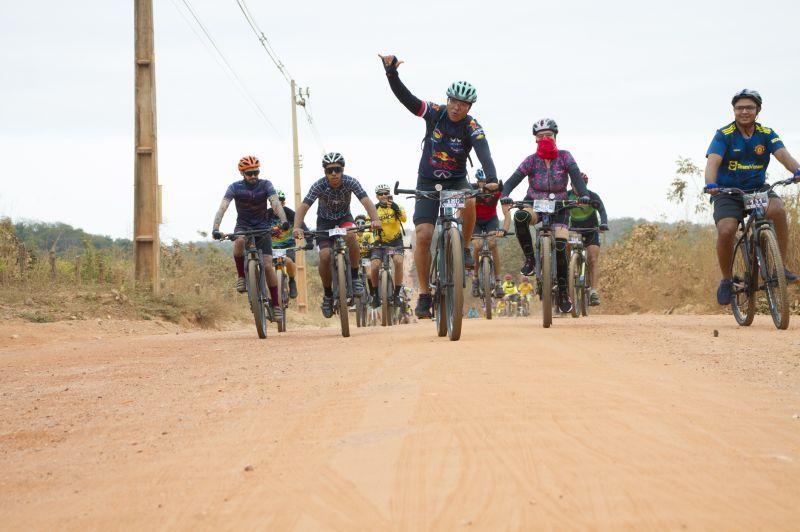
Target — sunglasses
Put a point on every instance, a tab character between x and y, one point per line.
334	170
251	173
383	194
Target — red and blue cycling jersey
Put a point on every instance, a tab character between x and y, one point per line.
251	202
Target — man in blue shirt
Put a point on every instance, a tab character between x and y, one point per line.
253	198
738	157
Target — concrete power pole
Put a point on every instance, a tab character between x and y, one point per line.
302	290
146	190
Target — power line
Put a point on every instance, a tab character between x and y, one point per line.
230	72
262	38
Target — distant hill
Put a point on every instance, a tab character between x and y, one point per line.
43	235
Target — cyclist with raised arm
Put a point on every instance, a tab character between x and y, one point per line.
584	217
392	217
450	135
548	171
738	157
486	220
253	198
334	192
282	238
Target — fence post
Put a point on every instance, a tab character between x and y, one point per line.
52	265
78	270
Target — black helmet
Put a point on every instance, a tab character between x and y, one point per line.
747	93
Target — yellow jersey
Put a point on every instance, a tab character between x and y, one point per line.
365	240
525	288
391	222
509	288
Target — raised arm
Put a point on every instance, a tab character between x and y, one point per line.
411	102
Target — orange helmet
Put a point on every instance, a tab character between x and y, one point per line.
248	162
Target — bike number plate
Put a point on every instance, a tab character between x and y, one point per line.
758	200
365	262
453	199
337	231
575	240
544	205
278	253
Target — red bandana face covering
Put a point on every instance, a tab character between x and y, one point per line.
546	148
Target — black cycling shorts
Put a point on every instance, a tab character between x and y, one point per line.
486	226
323	225
590	238
732	205
426	211
377	253
264	243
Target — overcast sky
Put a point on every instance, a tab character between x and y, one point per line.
633	85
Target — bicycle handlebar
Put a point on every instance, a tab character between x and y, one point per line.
251	232
484	234
734	190
434	194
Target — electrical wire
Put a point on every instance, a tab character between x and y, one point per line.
233	77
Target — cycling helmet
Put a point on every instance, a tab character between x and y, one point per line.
508	277
248	162
382	188
480	175
361	219
281	195
545	124
747	93
463	91
585	178
332	157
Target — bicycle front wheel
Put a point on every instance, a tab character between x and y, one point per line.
547	281
341	278
774	278
256	297
743	303
485	281
386	291
454	293
283	294
574	284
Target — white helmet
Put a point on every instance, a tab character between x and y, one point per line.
332	157
382	188
545	124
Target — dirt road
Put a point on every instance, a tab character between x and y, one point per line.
606	422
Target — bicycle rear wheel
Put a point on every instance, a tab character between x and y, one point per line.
386	291
547	281
455	283
485	282
574	284
437	293
283	294
743	303
341	279
586	272
774	278
256	297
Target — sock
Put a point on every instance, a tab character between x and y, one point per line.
354	273
239	265
328	291
273	293
562	263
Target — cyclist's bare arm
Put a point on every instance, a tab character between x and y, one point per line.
786	159
277	208
299	216
712	167
221	212
372	211
506	217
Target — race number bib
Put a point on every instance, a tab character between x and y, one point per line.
278	253
453	199
574	239
757	200
337	231
544	205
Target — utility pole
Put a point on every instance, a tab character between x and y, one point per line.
302	290
146	190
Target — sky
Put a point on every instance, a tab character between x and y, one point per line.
633	86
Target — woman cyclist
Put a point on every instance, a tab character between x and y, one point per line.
549	170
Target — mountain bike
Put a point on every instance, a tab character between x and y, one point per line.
342	281
544	249
255	279
390	311
580	273
362	301
279	261
757	262
487	280
447	274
